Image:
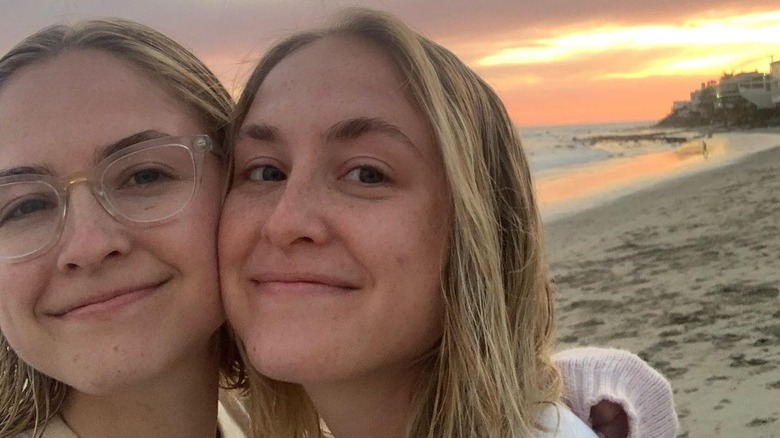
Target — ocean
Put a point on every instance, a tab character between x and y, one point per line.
558	147
576	167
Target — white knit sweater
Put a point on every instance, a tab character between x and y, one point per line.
591	375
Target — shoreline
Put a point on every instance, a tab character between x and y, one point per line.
686	273
570	190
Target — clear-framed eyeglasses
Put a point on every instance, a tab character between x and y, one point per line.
145	184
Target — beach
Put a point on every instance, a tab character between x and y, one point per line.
685	273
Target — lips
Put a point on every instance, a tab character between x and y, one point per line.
302	282
107	301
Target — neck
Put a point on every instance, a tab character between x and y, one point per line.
182	402
367	408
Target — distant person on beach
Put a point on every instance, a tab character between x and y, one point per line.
112	174
704	151
381	251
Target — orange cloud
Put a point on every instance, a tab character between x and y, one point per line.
756	31
620	72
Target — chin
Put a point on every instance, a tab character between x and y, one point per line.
106	380
117	366
292	363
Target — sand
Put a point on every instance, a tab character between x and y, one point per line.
686	274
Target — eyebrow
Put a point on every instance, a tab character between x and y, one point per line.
353	128
260	131
25	170
99	154
345	130
128	141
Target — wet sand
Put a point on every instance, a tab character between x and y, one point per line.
687	275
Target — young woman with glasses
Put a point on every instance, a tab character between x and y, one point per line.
112	175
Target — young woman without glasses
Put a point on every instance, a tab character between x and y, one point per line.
381	250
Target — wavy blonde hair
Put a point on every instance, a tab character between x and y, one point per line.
28	398
491	373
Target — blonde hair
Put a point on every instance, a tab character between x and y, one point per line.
28	398
492	373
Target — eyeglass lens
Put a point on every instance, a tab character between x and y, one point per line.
144	186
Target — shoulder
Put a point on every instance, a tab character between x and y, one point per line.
557	421
56	428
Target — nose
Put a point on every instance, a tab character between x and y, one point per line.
298	214
90	235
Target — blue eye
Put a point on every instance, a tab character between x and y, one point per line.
143	178
32	205
27	208
147	176
366	175
266	173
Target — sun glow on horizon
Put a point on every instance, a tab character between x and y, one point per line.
698	46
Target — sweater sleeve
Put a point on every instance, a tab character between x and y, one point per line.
591	375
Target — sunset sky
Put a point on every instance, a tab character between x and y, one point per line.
552	61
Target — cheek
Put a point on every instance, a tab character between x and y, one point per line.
232	231
239	231
431	244
194	245
243	217
22	283
415	300
202	220
414	253
22	286
430	236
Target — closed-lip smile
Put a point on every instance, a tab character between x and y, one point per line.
291	281
109	301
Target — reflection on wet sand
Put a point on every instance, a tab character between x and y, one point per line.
568	190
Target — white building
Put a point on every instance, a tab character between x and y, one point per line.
774	81
754	87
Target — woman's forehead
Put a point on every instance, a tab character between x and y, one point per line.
336	79
68	106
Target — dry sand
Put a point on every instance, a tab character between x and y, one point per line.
687	275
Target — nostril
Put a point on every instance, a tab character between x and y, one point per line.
84	261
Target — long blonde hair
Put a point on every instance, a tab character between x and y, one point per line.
28	398
491	373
